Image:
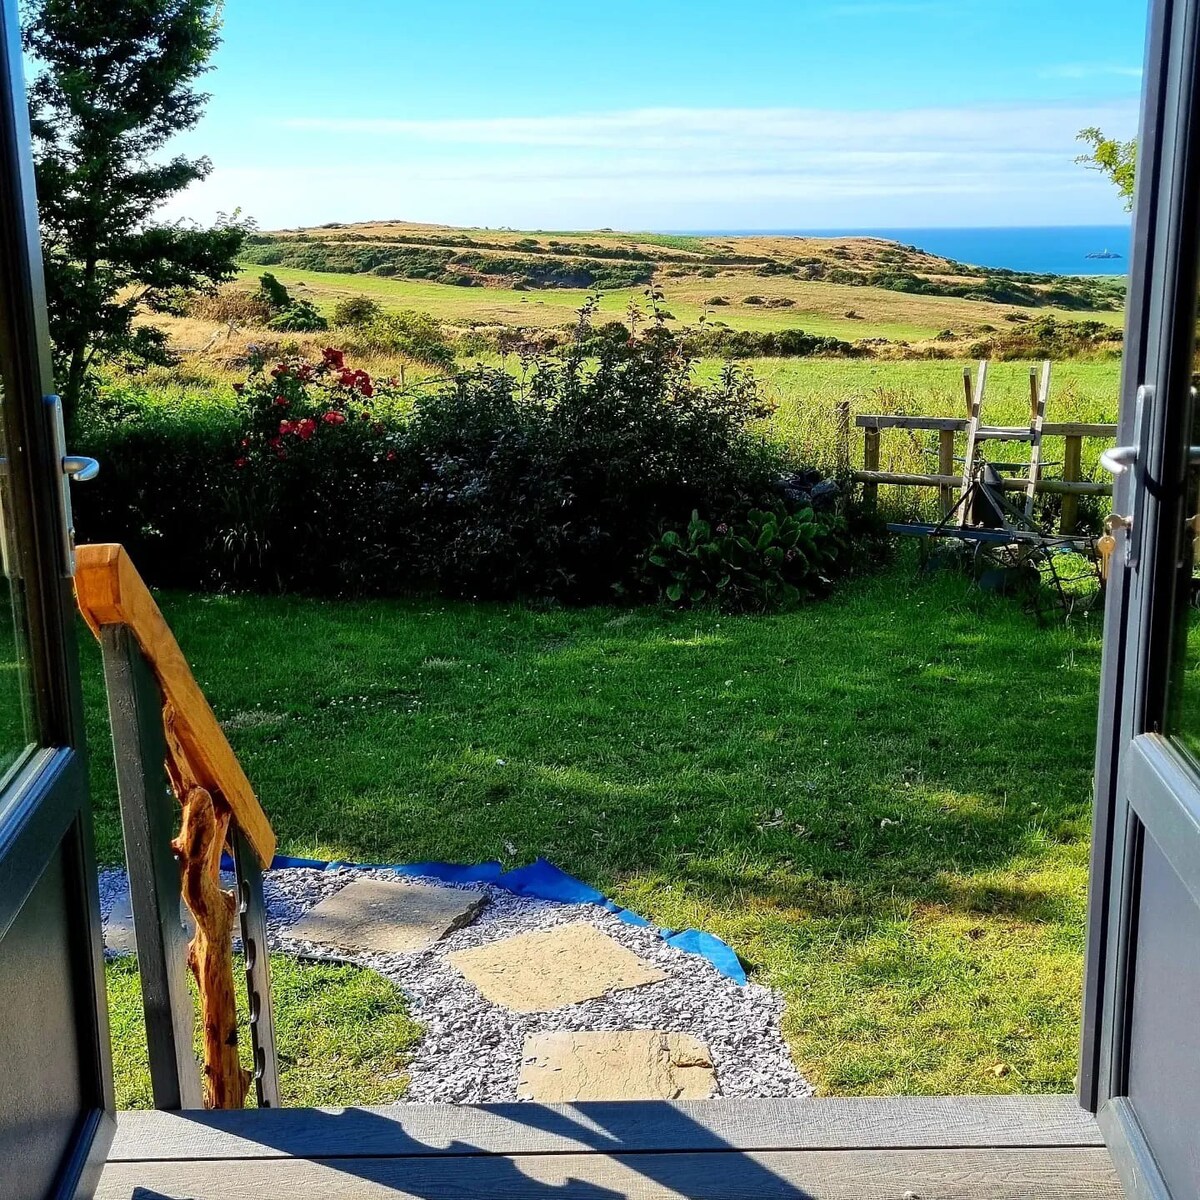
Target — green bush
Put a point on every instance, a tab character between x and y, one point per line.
415	334
356	310
485	487
771	559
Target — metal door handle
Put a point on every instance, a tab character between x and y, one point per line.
78	466
1118	459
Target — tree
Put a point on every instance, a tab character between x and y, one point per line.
114	83
1116	159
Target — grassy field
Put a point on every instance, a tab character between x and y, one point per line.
818	307
881	801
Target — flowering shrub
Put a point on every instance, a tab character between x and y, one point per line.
486	485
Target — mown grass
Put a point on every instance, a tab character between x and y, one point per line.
342	1034
881	800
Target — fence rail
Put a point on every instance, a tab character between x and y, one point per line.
1071	486
177	771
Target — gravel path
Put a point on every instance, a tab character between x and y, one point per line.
471	1051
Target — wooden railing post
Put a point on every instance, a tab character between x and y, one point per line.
148	817
945	468
252	912
870	463
842	450
1072	473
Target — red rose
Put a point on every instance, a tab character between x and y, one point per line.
282	401
240	462
275	443
244	443
347	378
287	426
278	369
366	389
391	455
334	358
306	428
334	418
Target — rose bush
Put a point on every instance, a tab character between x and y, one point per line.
321	479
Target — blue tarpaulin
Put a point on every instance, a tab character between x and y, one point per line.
542	880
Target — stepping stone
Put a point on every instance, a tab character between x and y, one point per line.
635	1064
118	929
378	917
551	968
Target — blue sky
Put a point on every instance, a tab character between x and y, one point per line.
660	114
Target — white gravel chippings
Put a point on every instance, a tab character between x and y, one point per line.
471	1050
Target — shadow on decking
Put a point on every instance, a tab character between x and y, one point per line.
376	1149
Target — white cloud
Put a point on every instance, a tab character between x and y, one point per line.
1090	71
676	167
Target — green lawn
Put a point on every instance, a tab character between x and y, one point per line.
341	1034
880	800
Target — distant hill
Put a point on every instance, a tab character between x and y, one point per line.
606	260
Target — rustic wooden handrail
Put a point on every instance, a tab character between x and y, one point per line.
166	741
111	592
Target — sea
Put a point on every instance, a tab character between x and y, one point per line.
1050	249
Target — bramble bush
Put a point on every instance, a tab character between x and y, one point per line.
555	485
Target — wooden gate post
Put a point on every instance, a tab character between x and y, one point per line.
870	463
1071	474
842	457
946	467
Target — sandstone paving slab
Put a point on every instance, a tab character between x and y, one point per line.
564	1066
380	917
553	968
118	928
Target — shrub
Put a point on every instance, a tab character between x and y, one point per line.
288	315
231	304
771	559
485	487
356	310
414	334
301	316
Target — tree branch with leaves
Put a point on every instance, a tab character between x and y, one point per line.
114	82
1111	157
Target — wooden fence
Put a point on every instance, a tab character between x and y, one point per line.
948	481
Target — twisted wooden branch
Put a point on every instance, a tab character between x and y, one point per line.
210	954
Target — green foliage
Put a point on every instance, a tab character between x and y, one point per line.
286	314
356	310
719	340
1111	157
1050	337
416	335
273	293
114	83
770	559
301	316
321	480
445	265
